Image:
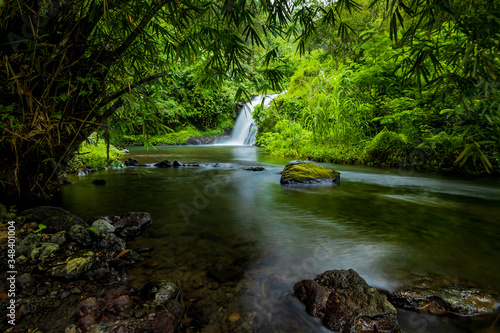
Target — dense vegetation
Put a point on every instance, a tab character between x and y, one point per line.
429	100
389	82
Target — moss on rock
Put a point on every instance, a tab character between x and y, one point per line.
308	173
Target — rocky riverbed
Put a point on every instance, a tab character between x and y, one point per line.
71	276
96	275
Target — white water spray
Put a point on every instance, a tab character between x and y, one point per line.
244	129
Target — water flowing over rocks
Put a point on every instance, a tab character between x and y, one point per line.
131	162
308	173
253	168
346	303
75	280
164	164
437	295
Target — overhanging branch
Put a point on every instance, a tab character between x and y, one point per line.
130	88
130	39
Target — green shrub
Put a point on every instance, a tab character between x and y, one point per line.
387	148
94	154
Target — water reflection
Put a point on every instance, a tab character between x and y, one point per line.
237	240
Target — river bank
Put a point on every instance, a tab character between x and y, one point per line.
70	275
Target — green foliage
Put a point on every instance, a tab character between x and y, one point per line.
41	227
180	136
387	148
94	153
404	97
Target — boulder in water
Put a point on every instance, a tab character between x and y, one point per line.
164	164
308	173
130	224
437	295
131	162
253	168
346	303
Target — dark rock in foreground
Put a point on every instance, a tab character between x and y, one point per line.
346	303
308	173
437	295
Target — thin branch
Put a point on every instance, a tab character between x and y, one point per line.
129	88
116	105
130	39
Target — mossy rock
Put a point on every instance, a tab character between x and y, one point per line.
308	173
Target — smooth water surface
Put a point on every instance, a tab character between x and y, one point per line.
236	241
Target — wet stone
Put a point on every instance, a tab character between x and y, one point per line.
26	283
70	329
59	238
89	307
121	306
346	303
111	242
62	222
438	295
85	324
42	213
131	162
24	246
43	251
103	226
79	235
164	164
74	266
160	292
64	294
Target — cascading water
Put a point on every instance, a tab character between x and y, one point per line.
244	129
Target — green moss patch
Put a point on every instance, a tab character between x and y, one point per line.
307	173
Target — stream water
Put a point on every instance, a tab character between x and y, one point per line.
236	241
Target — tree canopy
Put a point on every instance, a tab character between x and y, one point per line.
68	66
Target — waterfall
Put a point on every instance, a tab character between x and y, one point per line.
244	129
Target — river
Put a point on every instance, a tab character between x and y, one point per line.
236	241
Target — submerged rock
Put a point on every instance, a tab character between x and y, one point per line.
346	303
178	164
160	291
437	295
130	224
254	168
308	173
